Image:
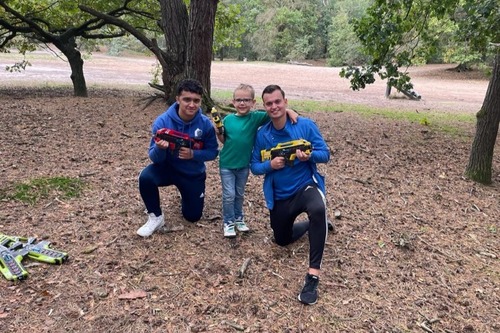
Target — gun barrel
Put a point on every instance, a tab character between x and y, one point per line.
42	252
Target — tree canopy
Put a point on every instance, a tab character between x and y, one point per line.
391	32
62	24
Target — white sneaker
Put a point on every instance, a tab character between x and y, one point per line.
154	223
229	231
241	226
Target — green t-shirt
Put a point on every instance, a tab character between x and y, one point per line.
240	134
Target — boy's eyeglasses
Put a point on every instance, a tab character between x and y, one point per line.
243	100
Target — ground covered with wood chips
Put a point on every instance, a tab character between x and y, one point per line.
415	248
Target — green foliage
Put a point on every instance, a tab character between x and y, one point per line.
462	55
228	27
396	34
57	18
435	41
343	45
286	31
359	76
479	22
424	121
341	49
127	43
36	189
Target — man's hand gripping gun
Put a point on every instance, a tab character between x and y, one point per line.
287	150
14	249
176	139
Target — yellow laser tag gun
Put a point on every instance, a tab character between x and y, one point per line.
287	150
14	249
10	262
40	251
217	120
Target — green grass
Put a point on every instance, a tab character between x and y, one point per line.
34	190
441	121
222	96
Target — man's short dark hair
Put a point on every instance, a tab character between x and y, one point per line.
190	85
272	88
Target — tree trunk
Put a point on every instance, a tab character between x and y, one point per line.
200	43
189	40
480	163
77	75
68	48
174	24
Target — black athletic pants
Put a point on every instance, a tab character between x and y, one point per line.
311	200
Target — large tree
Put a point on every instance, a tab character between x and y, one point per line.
390	33
58	23
481	26
188	31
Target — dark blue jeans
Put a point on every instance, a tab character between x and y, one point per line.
192	189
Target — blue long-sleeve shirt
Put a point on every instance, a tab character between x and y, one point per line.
282	184
199	128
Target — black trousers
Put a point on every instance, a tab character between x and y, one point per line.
310	200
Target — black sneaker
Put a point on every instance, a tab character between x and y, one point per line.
309	293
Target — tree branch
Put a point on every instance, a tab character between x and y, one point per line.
149	43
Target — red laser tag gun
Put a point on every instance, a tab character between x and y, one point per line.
217	120
10	263
176	139
287	150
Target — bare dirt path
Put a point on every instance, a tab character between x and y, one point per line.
441	90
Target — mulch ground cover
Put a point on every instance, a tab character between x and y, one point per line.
415	246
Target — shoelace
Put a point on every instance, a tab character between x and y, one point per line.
311	284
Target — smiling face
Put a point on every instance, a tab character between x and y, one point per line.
243	101
189	103
275	105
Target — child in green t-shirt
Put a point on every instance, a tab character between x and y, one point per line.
234	158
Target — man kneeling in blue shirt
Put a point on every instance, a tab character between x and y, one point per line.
293	187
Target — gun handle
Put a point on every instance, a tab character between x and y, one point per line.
42	252
290	161
11	266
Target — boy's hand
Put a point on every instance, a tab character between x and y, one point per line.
294	116
215	126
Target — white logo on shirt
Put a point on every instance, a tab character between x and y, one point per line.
198	133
